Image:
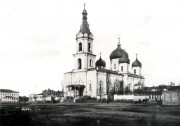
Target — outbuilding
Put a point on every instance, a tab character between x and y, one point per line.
171	97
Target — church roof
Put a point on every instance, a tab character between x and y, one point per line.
109	71
8	91
121	54
137	76
100	63
136	63
84	28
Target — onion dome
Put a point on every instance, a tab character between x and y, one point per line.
84	28
100	63
136	63
121	54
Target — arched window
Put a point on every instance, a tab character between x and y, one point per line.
80	46
79	63
90	62
89	47
100	89
89	87
114	66
121	68
134	71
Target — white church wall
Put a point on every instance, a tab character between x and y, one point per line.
85	61
113	79
137	69
66	81
114	64
84	42
102	78
81	78
86	80
125	67
90	57
125	80
136	80
131	83
143	82
92	79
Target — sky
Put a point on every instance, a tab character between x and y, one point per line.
37	39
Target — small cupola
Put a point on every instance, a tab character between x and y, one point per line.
136	63
100	63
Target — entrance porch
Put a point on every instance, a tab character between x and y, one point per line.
75	90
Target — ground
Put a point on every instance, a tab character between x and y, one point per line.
97	114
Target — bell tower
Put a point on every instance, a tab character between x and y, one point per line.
84	57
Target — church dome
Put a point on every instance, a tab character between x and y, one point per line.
136	63
121	54
100	63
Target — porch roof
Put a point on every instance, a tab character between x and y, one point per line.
76	85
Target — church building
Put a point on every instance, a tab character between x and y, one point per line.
91	78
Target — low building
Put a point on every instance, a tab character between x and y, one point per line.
23	99
50	92
7	95
36	98
154	93
46	96
164	93
171	97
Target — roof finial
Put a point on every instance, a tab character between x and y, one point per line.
136	55
119	42
100	54
84	6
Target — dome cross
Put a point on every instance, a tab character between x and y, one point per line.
84	6
119	44
136	55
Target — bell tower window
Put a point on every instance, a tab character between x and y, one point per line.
80	46
79	63
134	71
90	62
121	68
89	47
114	66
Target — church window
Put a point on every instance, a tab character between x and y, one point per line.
100	88
79	63
89	47
121	68
90	62
80	46
89	87
114	66
134	71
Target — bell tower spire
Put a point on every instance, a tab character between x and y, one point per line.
84	57
84	26
84	13
84	5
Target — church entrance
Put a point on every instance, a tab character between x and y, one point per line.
75	90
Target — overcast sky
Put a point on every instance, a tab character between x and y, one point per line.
37	39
